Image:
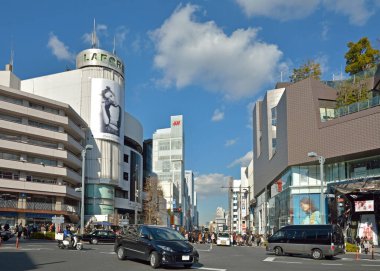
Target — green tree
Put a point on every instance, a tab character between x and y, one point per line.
309	69
360	56
351	92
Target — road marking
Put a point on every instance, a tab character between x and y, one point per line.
206	268
370	265
287	262
269	259
208	250
331	264
108	252
272	260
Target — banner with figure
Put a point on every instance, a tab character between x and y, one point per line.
106	109
306	209
367	228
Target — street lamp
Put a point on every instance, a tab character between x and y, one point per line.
88	147
321	160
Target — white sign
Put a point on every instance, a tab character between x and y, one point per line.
57	219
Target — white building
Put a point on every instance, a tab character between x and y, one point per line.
168	164
95	90
189	176
235	211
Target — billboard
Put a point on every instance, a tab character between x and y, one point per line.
367	228
106	109
306	209
364	206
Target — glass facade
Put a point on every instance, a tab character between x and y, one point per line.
295	197
100	199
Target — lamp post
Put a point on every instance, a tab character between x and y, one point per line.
88	147
321	160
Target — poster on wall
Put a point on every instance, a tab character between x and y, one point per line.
367	228
364	206
306	209
106	109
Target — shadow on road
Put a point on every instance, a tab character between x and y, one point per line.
16	261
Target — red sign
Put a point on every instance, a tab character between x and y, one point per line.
176	123
279	185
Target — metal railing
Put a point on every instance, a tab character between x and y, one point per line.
40	206
8	203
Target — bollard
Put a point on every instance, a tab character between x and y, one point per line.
1	239
17	246
373	252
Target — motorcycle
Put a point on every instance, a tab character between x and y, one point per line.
73	243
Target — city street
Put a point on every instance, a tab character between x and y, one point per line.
45	255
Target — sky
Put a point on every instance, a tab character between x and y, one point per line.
208	60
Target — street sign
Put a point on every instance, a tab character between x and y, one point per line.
57	219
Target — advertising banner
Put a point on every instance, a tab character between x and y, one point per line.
367	228
106	109
306	209
364	206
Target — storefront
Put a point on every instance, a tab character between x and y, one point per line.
355	206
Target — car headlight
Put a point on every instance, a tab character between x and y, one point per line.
165	248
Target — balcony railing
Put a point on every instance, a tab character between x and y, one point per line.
40	206
8	203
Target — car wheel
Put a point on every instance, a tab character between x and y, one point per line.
121	254
278	251
154	260
188	265
94	241
316	254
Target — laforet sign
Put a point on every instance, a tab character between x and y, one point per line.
99	57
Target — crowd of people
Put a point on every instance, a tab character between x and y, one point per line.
363	244
205	237
27	231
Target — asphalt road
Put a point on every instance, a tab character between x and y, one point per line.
45	255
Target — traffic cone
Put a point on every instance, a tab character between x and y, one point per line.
357	255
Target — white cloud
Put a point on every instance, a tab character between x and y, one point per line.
210	185
217	116
358	11
59	49
325	30
279	9
231	142
190	52
323	62
243	161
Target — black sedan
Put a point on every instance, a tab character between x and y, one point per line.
103	236
158	245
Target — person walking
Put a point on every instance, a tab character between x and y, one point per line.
18	231
366	245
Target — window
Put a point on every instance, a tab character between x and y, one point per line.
43	125
125	176
10	100
44	108
310	235
323	235
126	158
274	116
10	118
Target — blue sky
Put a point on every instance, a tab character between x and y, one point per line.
207	60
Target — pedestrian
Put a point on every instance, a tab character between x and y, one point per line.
366	245
18	231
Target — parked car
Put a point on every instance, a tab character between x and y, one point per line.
223	239
100	236
6	235
156	244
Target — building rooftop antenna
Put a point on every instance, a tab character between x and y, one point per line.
93	36
114	45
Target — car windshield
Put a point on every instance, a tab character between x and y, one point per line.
165	234
224	235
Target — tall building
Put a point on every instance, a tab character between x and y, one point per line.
96	91
40	156
300	120
189	176
168	164
234	205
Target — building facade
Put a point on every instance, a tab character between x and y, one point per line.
96	91
40	156
168	164
296	119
